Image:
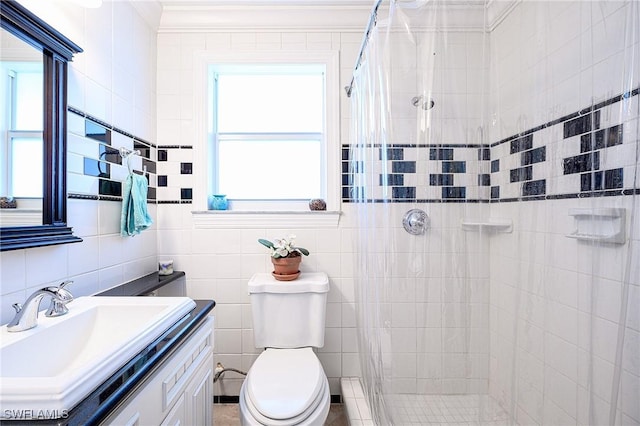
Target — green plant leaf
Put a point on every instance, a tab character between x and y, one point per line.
265	243
303	251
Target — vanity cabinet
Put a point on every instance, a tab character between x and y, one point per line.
179	392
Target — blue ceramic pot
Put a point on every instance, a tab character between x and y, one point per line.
218	202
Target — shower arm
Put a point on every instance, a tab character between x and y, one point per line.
372	22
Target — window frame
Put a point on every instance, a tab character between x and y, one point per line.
203	148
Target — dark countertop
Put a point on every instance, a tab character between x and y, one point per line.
143	285
99	404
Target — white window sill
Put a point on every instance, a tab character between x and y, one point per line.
211	219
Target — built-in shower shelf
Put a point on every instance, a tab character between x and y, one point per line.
491	225
606	225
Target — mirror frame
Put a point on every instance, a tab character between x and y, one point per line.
57	51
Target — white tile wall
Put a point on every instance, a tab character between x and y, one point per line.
116	41
566	294
555	300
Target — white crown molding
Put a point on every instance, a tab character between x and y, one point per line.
150	11
497	10
309	16
242	17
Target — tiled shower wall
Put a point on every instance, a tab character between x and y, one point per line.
556	303
113	83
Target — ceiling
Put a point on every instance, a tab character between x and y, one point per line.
346	3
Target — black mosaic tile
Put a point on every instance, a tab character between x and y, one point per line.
454	167
345	153
535	187
109	154
495	192
392	154
441	180
484	154
150	165
441	154
145	150
162	180
522	144
585	143
404	192
358	166
346	179
591	181
403	167
613	179
581	163
534	156
186	168
353	193
96	168
598	180
484	180
97	132
581	125
521	174
495	166
151	193
346	192
454	192
109	187
608	137
391	180
186	193
163	155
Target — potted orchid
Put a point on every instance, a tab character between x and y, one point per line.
285	256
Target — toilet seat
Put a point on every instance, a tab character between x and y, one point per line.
286	387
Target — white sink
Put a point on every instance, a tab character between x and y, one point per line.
58	363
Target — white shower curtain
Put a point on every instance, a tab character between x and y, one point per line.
513	125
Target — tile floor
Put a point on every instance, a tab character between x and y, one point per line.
432	410
227	415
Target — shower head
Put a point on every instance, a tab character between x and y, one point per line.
419	101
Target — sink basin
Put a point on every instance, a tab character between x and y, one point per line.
58	363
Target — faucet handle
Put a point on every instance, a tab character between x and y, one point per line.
63	292
58	305
17	307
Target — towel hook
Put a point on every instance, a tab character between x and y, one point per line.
126	153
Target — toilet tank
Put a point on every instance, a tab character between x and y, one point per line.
289	314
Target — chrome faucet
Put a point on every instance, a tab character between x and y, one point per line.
27	314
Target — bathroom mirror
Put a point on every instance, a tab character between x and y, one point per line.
46	146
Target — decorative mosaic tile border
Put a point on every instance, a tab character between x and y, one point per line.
175	174
95	167
597	153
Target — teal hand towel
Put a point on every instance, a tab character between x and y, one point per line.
135	217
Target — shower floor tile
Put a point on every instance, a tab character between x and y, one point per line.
447	410
432	410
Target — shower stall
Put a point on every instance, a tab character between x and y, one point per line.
493	172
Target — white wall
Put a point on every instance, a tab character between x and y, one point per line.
114	81
219	262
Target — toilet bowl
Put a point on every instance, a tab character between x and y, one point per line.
286	384
285	387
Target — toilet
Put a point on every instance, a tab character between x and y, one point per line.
286	385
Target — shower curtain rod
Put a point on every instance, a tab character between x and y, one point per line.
372	22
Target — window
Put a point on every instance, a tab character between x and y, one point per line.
22	138
268	133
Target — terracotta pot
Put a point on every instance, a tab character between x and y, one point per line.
286	267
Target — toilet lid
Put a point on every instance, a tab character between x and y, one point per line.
283	383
